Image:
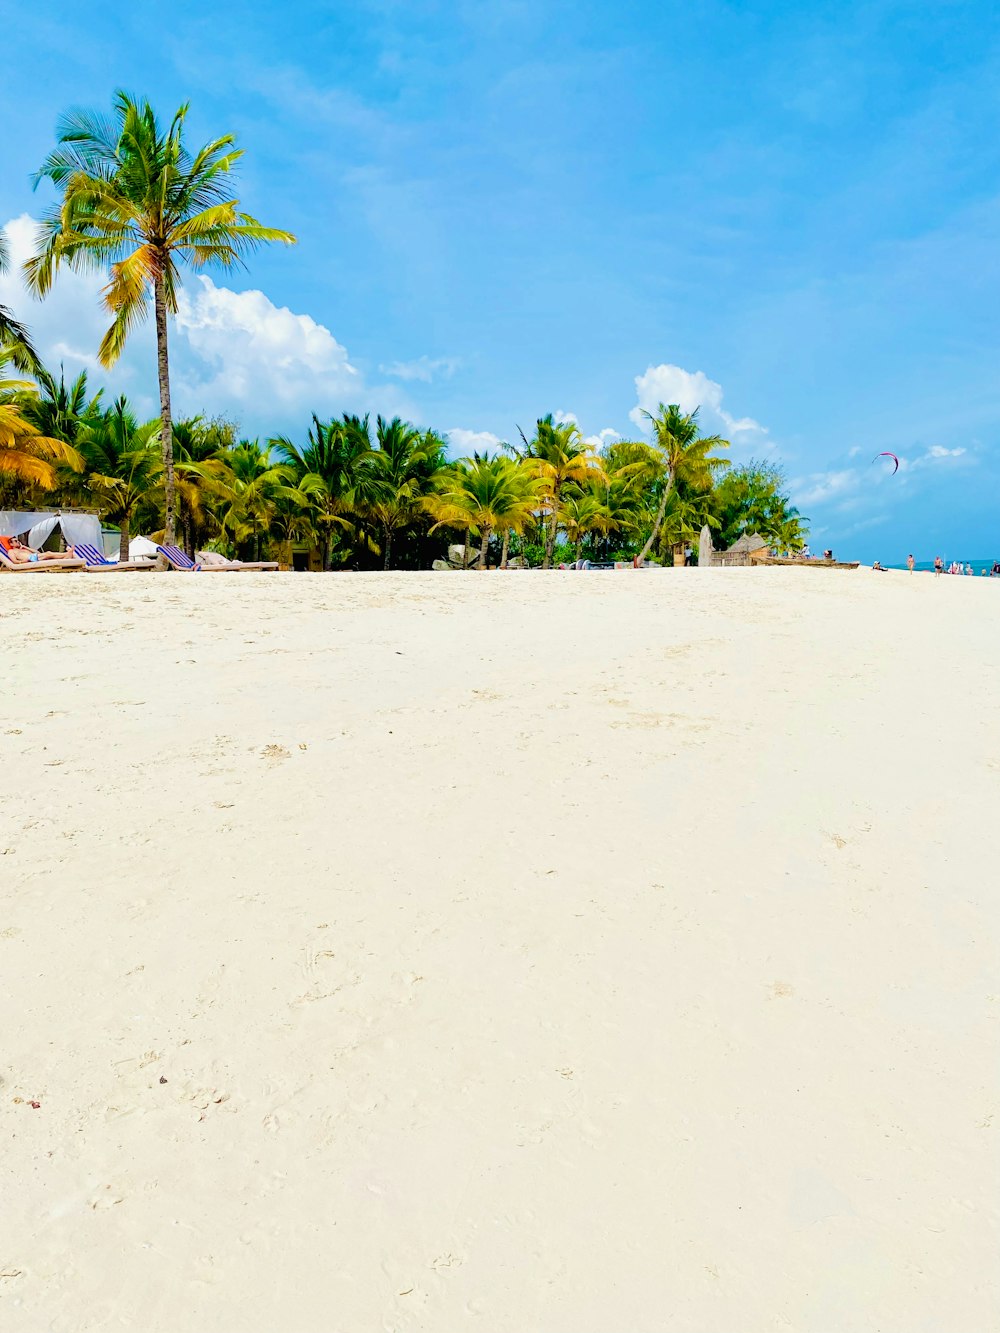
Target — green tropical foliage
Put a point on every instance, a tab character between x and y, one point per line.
752	498
347	496
680	455
485	496
560	458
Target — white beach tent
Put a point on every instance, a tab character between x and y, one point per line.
141	546
40	525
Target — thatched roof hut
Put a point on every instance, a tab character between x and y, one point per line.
746	550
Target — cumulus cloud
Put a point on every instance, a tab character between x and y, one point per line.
260	352
689	390
602	437
565	418
465	442
424	368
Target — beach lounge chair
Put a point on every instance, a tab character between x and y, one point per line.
94	562
213	564
8	566
212	560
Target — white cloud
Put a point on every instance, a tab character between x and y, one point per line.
603	437
936	455
565	418
689	390
259	353
424	368
466	442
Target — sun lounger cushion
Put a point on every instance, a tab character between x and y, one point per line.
177	557
91	554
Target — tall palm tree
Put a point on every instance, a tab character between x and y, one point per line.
681	454
196	442
407	459
134	199
337	468
14	337
584	512
558	455
251	484
486	495
124	464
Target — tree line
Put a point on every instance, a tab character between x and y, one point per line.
136	202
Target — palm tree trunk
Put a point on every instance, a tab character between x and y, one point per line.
487	533
659	520
506	545
465	548
387	547
166	429
550	536
579	549
123	541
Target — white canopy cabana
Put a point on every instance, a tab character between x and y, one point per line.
40	525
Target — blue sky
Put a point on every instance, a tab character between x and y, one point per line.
790	214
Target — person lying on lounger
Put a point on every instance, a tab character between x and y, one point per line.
19	554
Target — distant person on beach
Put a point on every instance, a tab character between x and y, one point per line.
969	569
19	554
938	565
909	563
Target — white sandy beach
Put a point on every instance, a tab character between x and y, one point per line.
608	953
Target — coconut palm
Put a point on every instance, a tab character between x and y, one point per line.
406	461
196	442
686	512
559	455
59	409
124	464
135	200
681	454
251	485
28	457
485	495
14	337
581	513
337	469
